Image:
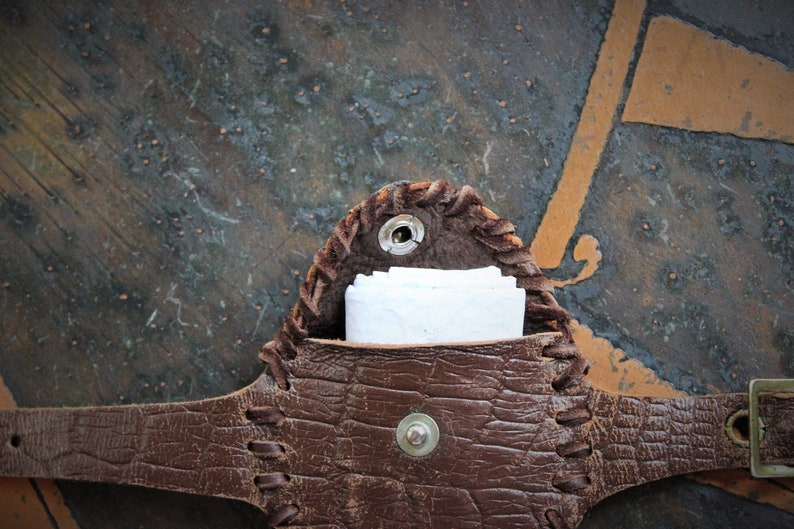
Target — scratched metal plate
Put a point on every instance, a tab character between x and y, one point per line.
167	172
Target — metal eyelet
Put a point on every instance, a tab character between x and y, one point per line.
738	429
401	235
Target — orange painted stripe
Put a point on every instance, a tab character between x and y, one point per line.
611	370
689	79
595	124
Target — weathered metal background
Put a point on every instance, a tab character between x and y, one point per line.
168	169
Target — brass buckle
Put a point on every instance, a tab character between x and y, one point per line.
758	386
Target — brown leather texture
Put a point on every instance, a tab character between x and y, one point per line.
495	464
525	441
197	447
638	440
514	451
777	414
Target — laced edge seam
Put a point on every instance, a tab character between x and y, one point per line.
512	257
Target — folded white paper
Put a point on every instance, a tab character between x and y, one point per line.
418	306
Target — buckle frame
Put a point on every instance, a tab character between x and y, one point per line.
758	386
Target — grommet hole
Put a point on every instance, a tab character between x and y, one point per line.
738	428
741	428
401	235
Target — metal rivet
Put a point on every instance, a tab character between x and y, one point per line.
417	434
401	235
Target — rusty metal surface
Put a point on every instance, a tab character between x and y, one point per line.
167	171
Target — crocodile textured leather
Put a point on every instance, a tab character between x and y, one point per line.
525	441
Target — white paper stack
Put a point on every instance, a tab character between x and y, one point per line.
419	306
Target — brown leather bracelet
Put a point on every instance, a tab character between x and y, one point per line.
512	451
320	439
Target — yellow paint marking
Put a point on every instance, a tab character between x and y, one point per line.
22	508
595	123
586	251
689	79
611	370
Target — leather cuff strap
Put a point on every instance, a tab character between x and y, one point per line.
643	439
512	442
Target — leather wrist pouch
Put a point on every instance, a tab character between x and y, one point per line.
503	433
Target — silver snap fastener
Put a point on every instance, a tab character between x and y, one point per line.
417	434
401	235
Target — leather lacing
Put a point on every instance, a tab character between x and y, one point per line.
497	234
569	481
271	450
577	366
270	416
542	310
282	516
555	519
267	415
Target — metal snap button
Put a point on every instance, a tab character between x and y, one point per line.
417	434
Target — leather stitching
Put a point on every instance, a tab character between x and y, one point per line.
495	233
